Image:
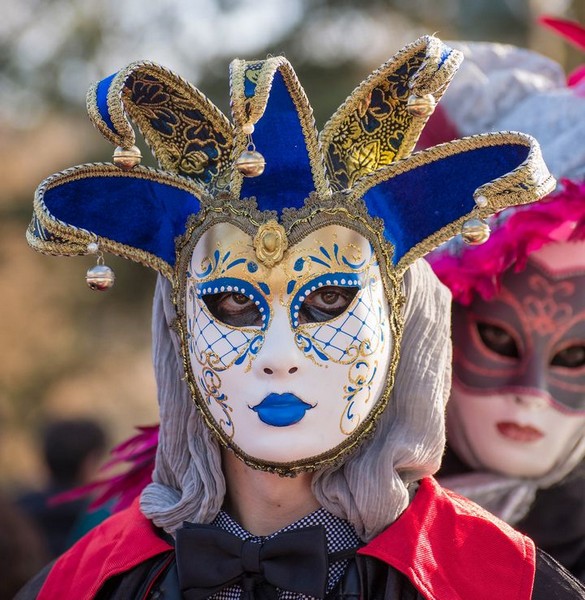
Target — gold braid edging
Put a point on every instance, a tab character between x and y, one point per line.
184	93
251	110
248	110
432	78
345	141
124	134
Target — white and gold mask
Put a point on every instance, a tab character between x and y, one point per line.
288	360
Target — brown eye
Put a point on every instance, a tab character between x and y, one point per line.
240	299
572	357
326	303
498	340
330	297
233	309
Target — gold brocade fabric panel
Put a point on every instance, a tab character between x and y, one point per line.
371	135
187	133
382	119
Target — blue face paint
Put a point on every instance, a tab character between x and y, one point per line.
281	410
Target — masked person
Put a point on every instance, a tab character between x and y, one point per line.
301	346
516	417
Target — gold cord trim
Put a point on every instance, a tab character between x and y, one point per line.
397	131
250	110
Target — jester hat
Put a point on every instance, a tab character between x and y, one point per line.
360	173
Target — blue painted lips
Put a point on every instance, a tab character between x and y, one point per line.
281	410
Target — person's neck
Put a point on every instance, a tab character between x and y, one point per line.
263	502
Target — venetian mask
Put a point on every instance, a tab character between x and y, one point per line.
288	360
519	365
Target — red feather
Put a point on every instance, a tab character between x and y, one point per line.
570	30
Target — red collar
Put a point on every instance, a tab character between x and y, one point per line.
451	549
448	547
115	546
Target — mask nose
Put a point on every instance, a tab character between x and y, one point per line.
531	401
270	371
533	376
279	355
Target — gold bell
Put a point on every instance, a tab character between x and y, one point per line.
250	163
475	232
100	278
127	158
421	106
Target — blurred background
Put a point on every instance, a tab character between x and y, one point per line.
66	351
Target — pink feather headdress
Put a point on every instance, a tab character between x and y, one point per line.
515	235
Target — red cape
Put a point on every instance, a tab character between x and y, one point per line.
447	546
113	547
451	549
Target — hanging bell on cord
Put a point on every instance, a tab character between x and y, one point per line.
421	106
100	277
127	158
250	163
475	232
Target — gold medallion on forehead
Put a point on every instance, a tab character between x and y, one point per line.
270	242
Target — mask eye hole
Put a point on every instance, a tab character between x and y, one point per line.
571	357
326	303
233	308
498	340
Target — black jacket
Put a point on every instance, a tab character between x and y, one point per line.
366	578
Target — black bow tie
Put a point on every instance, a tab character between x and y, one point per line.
210	559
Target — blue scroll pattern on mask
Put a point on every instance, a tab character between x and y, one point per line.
353	338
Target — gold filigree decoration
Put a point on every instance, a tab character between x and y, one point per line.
361	376
211	384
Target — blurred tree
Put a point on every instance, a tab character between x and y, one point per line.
51	49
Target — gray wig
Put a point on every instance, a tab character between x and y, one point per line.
370	489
